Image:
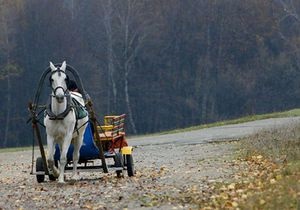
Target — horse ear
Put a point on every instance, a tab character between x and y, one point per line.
63	66
52	66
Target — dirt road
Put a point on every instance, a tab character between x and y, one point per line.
174	171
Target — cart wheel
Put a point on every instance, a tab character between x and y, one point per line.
119	163
52	178
39	167
130	165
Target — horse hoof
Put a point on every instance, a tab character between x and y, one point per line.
75	178
56	173
61	181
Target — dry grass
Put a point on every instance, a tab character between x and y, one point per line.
14	149
279	145
268	175
281	149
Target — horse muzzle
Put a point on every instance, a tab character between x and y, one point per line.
59	98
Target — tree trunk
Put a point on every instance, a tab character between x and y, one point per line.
127	99
7	118
206	79
8	97
215	75
110	57
128	58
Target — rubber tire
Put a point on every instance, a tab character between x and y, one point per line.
119	162
39	166
52	178
130	165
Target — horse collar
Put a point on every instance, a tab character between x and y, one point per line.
62	115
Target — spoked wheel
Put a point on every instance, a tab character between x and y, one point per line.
119	163
39	167
130	165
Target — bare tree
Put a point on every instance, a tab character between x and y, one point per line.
8	10
132	29
111	57
289	14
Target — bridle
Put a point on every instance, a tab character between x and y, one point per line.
65	91
66	94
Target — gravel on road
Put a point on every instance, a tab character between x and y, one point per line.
173	171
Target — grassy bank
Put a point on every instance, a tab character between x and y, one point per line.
15	149
269	176
289	113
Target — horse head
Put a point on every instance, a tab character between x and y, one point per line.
59	81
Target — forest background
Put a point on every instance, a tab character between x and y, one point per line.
165	63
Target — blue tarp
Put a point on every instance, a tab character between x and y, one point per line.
88	149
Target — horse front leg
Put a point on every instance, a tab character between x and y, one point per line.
63	158
76	154
51	148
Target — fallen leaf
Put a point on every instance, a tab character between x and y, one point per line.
262	201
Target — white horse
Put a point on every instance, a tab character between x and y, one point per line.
62	127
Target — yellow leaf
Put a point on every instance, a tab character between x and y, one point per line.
260	184
240	191
272	181
231	186
228	204
259	157
234	204
223	188
262	201
244	196
224	196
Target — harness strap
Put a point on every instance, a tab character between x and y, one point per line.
62	115
77	129
72	104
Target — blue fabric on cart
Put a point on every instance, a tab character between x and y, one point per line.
88	150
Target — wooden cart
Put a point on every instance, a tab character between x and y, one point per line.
100	141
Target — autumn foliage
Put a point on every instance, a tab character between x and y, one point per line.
166	64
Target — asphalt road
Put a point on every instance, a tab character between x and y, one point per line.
213	134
